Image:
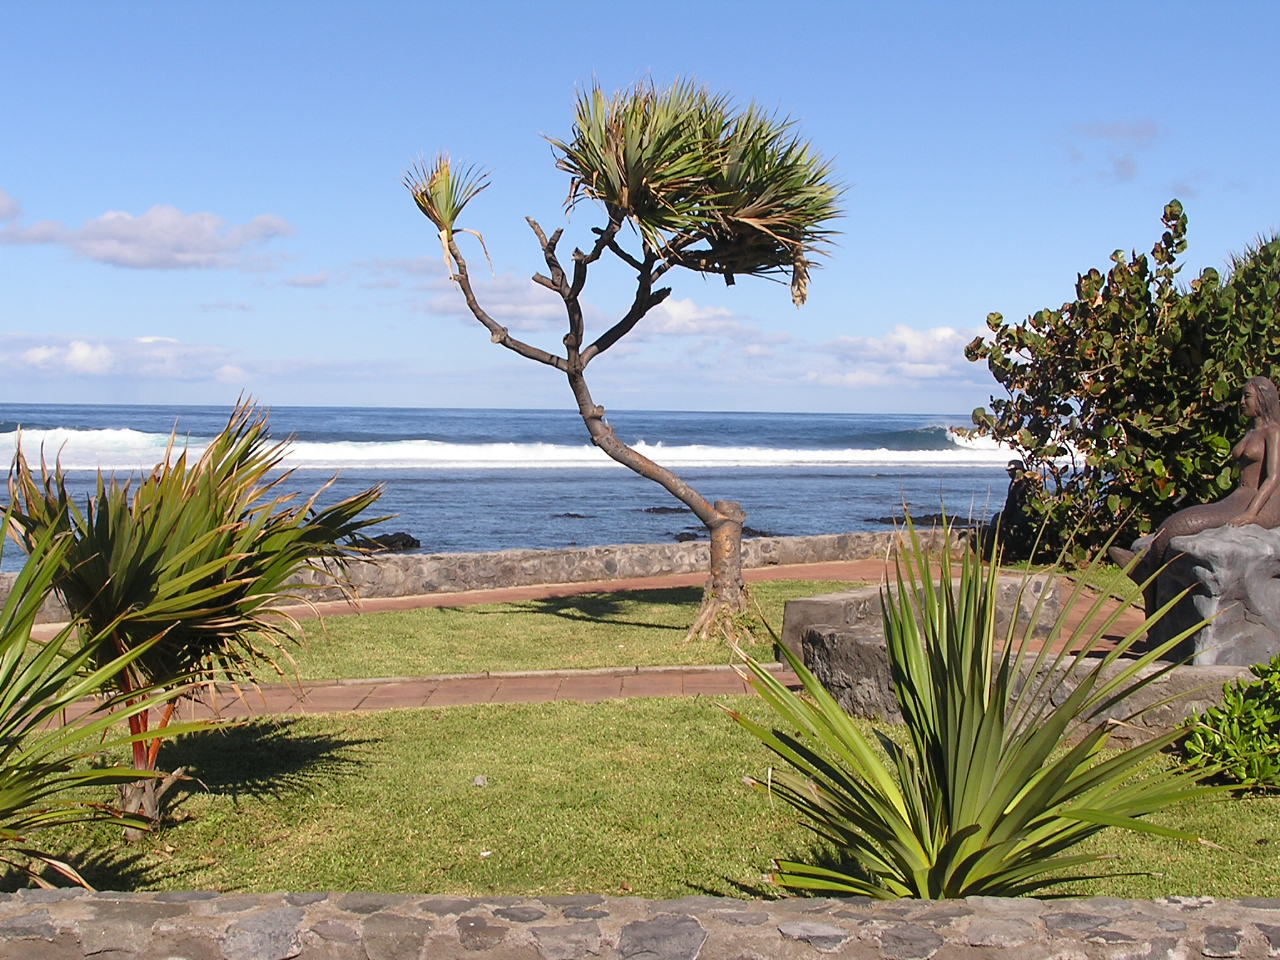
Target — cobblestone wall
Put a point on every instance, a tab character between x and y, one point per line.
71	925
404	575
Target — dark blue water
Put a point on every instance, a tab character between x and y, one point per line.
469	480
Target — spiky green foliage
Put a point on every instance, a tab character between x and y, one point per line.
986	796
441	192
188	568
1126	399
49	729
687	168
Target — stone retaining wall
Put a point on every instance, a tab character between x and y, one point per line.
73	925
404	575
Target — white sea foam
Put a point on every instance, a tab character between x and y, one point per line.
123	450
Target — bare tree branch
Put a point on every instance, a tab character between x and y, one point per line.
497	332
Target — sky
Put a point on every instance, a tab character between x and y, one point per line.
204	200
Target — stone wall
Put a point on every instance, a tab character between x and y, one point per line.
404	575
76	925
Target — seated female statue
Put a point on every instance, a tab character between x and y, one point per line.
1254	501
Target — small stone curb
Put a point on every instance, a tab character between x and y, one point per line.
201	925
513	675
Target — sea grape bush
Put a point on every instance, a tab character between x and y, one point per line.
1241	736
1124	400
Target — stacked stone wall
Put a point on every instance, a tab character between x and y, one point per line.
75	925
405	575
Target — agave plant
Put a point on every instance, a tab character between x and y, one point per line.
50	728
989	791
185	572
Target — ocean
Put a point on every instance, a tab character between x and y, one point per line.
475	480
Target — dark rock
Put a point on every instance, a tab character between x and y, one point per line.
398	542
270	934
1072	920
568	941
665	937
54	895
1109	936
335	931
574	900
1272	933
569	516
999	932
305	899
686	536
520	914
584	913
390	937
1222	941
909	942
822	936
36	925
664	510
366	902
478	933
444	905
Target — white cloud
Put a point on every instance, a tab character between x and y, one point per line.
309	280
687	318
518	304
1109	149
163	238
10	209
85	357
141	358
901	357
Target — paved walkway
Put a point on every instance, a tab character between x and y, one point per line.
526	686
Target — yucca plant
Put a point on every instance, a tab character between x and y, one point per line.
187	569
54	722
988	791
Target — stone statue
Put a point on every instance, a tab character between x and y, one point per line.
1256	499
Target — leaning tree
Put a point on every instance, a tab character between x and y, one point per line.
702	185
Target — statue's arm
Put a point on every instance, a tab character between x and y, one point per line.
1270	479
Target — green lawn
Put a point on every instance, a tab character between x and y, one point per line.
642	628
637	797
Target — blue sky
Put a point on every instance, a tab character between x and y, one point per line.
199	200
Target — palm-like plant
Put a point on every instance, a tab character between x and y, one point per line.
686	169
188	569
49	730
707	187
987	796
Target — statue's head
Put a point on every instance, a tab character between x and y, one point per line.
1268	398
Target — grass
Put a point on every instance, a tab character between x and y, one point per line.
640	797
620	629
636	797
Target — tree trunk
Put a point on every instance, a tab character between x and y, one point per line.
144	797
725	597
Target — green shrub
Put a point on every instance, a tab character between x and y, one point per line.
1125	400
989	791
1240	738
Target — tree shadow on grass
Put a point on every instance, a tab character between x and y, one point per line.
608	607
260	758
114	868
